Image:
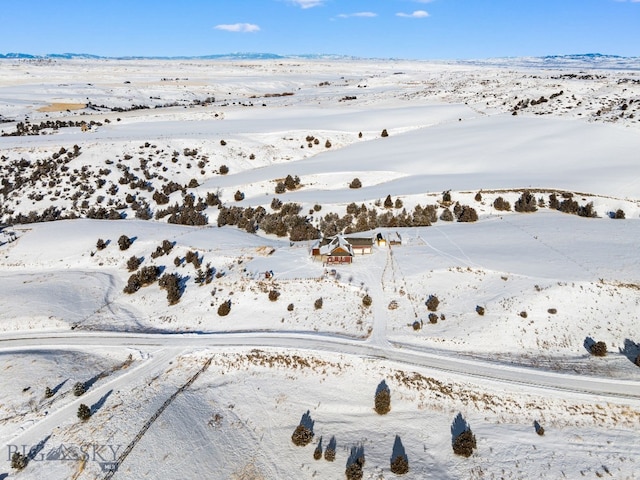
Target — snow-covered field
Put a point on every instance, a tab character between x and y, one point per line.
174	154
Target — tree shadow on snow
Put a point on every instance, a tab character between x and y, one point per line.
98	405
398	450
36	449
57	388
588	344
458	427
631	350
382	386
356	455
306	421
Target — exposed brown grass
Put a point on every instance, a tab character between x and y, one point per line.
61	107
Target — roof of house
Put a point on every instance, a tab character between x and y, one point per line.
336	242
360	241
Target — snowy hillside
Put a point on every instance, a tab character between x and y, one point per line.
158	223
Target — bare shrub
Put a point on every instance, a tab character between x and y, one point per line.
523	314
552	311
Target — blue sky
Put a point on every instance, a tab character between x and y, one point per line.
412	29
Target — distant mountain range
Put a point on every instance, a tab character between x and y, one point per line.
223	56
585	60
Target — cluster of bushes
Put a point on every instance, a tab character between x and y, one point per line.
285	221
143	277
289	183
171	282
189	213
569	205
28	128
163	249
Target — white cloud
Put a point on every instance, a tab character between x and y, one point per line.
358	14
238	27
416	14
307	3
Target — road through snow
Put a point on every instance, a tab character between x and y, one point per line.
403	354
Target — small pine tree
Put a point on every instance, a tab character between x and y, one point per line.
433	318
301	436
367	301
446	215
290	307
223	170
101	244
318	303
124	242
464	444
79	389
273	295
388	203
400	465
224	308
48	393
479	310
133	263
19	461
355	183
384	133
317	453
599	349
382	401
84	412
432	303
